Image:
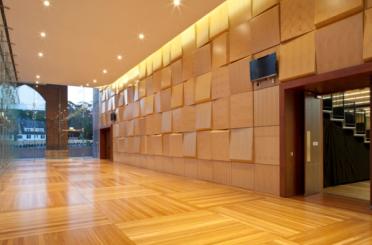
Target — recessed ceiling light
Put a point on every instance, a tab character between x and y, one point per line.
42	34
141	36
87	84
119	57
177	3
40	54
46	3
37	76
104	71
37	82
94	81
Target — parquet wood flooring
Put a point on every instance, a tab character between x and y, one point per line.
88	201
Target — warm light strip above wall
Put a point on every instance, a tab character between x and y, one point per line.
209	26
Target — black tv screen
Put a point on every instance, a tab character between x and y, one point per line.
263	67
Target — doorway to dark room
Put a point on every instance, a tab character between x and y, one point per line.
106	150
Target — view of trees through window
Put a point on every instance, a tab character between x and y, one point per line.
29	134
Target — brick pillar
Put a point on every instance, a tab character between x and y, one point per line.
56	120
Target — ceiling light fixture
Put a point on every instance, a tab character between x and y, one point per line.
141	36
119	57
94	81
177	3
40	54
37	82
37	76
42	34
46	3
87	84
104	71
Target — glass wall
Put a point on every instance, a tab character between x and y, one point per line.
8	98
80	122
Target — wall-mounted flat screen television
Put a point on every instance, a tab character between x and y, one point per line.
264	67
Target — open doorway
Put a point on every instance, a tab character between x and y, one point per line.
346	155
105	144
302	172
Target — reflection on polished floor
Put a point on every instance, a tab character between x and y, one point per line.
358	190
97	202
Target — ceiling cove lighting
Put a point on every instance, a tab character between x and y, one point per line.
40	54
177	3
42	34
141	36
46	3
104	71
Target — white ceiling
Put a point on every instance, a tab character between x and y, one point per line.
85	36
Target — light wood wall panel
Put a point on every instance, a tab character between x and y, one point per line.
176	68
219	20
240	40
266	107
203	118
166	144
241	144
189	92
166	122
328	11
166	77
340	44
297	57
189	144
266	145
144	145
266	178
221	113
220	83
149	86
222	172
367	42
165	99
149	104
241	110
176	48
239	11
203	88
155	145
202	60
368	3
265	30
239	76
220	50
149	69
183	119
220	145
242	175
296	18
166	52
157	60
177	96
142	69
188	40
205	170
202	31
176	145
191	168
142	89
187	67
259	6
204	145
157	102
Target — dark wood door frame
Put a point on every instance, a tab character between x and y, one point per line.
291	118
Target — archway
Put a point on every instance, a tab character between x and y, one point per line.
30	135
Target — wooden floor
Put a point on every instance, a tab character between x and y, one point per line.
359	190
97	202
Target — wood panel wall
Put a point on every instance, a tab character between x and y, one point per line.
192	110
